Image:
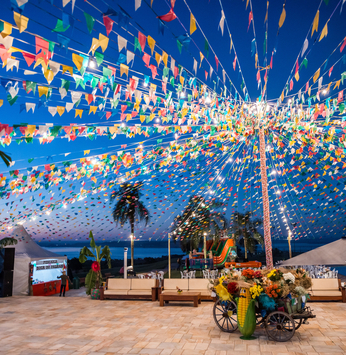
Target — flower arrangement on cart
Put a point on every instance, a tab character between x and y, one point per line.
275	299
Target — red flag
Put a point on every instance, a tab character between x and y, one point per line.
29	58
250	19
307	87
170	16
153	69
217	63
234	62
108	24
330	71
176	72
146	59
271	62
142	39
291	84
343	45
340	96
297	67
206	74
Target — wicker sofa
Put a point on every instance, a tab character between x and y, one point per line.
327	290
130	289
192	285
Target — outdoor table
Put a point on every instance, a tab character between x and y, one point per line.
185	296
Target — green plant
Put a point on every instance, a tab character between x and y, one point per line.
129	208
7	241
94	276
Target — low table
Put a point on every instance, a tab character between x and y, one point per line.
185	296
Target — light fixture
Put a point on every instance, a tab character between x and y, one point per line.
208	100
324	91
92	63
182	95
145	84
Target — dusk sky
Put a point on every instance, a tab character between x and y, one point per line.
305	193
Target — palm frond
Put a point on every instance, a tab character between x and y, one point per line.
4	242
5	158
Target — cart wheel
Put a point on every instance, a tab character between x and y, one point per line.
279	326
225	315
298	323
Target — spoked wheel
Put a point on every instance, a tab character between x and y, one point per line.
280	326
225	315
298	323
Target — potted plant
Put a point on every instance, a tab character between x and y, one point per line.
94	276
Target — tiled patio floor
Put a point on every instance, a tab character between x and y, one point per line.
79	325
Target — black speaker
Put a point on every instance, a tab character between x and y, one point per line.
7	285
9	259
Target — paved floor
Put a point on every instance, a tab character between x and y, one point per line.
79	325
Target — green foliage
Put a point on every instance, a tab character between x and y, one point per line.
7	241
129	208
199	216
244	230
93	279
5	158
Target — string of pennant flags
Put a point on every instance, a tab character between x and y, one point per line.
190	129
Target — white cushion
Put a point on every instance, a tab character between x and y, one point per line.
115	292
143	284
326	293
198	284
203	292
119	284
171	284
325	284
139	292
184	290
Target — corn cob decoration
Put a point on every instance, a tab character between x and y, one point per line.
246	314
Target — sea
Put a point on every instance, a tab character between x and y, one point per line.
118	252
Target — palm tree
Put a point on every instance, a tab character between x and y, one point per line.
4	242
199	216
93	278
5	158
244	229
129	208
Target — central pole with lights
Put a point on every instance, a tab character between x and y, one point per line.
289	238
169	255
205	245
265	198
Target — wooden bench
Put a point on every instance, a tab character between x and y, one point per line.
327	290
185	296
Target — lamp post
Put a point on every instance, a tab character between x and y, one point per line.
132	245
169	255
289	238
205	245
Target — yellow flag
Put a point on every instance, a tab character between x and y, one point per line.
297	75
78	113
337	84
316	75
202	57
1	102
193	27
328	88
266	18
124	69
182	80
60	109
158	58
315	23
92	109
40	61
282	96
309	91
21	21
324	31
102	42
247	4
151	43
142	118
282	17
77	60
48	74
164	57
42	90
128	117
256	60
152	116
66	68
231	43
7	29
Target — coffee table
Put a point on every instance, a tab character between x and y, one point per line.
185	296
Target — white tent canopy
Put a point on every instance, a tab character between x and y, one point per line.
330	254
26	250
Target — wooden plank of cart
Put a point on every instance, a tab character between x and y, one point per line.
185	296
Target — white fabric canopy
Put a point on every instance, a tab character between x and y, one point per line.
26	250
330	254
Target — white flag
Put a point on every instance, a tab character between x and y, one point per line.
222	21
305	46
130	56
69	106
195	66
224	75
12	63
320	82
75	96
62	92
6	42
30	106
122	42
52	110
210	71
172	65
138	4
